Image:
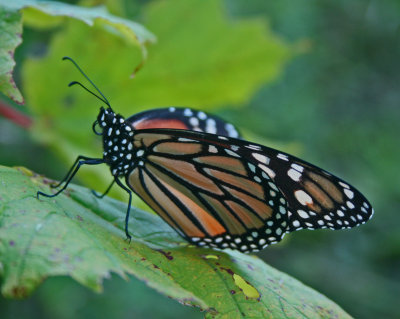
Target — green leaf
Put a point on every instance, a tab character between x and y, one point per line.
11	37
203	59
45	14
78	235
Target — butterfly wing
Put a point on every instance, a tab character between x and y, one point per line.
228	193
316	198
183	118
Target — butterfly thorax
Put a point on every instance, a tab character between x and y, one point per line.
117	142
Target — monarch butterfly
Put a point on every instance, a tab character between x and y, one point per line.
213	188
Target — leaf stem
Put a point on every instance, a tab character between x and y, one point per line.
15	116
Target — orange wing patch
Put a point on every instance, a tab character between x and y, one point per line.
248	218
209	223
228	163
162	200
188	172
148	139
328	187
160	123
319	195
240	182
175	148
263	210
231	222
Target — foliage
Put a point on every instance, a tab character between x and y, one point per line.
48	13
178	72
81	236
11	31
337	105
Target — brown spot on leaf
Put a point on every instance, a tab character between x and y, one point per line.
229	271
166	254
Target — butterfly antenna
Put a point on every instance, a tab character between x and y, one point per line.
104	99
84	87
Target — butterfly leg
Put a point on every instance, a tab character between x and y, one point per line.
128	237
79	158
88	161
106	191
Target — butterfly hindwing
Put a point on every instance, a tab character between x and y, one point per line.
183	118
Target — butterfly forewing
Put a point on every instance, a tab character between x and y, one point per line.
207	190
227	193
316	198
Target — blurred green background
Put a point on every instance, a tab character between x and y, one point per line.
334	102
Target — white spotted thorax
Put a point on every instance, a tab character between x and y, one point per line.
117	142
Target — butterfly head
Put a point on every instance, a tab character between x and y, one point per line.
106	118
117	136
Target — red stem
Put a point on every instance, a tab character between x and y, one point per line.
15	116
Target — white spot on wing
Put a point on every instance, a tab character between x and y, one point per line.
254	147
294	175
303	197
252	167
184	139
296	223
212	149
273	186
202	115
231	130
194	121
298	167
267	170
139	153
261	158
344	185
282	157
349	193
211	126
187	112
350	205
303	214
231	153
